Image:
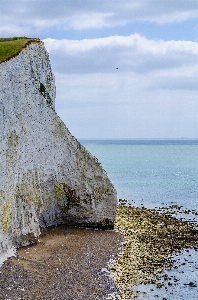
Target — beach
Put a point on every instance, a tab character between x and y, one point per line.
132	261
66	263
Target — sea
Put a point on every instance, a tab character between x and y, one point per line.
157	173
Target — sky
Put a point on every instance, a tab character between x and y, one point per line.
124	69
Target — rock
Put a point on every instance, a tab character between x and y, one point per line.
47	176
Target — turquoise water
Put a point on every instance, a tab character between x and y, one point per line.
157	173
151	172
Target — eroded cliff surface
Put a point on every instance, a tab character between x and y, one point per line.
47	176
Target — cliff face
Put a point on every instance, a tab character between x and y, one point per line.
47	176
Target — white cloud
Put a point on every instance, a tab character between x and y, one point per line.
10	30
124	106
83	21
133	53
176	17
40	15
153	93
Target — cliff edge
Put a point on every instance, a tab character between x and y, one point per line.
47	176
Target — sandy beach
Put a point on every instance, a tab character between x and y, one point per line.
67	263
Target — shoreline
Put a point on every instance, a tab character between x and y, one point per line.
154	241
80	263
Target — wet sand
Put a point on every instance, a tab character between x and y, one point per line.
67	263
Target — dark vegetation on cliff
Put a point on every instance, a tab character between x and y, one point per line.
11	47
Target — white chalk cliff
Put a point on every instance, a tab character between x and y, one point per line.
46	176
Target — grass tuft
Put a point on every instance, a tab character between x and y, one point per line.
11	47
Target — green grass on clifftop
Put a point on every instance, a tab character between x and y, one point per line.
10	47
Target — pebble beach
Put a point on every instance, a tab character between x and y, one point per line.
80	263
149	265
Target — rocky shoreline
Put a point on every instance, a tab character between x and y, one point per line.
77	263
152	238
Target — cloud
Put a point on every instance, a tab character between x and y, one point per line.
132	54
124	106
85	20
36	16
116	86
153	93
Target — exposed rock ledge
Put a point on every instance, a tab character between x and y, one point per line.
47	176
